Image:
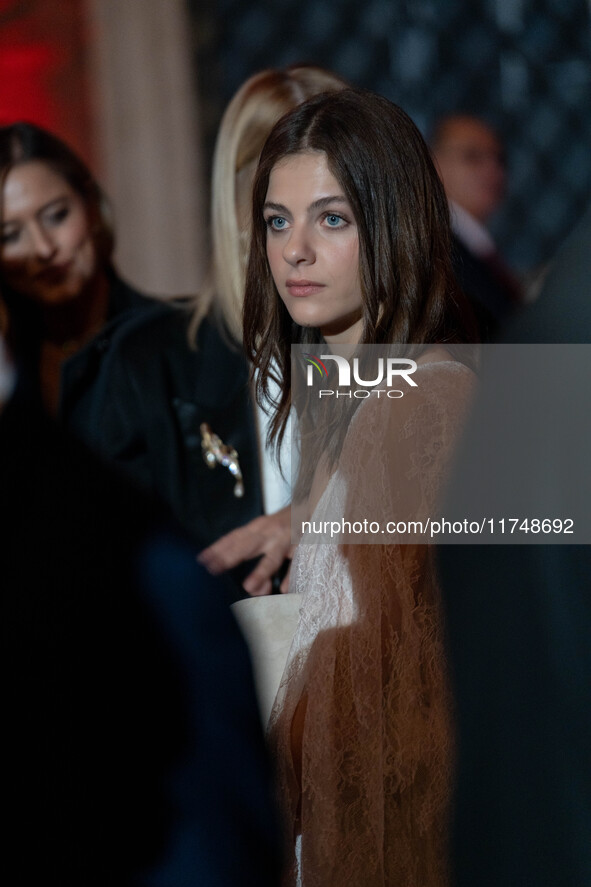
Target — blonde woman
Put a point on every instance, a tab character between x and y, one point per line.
178	385
257	106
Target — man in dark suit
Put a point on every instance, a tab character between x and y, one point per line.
519	616
133	748
471	163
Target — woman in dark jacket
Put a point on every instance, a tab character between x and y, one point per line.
71	323
62	299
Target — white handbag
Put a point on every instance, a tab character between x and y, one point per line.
268	625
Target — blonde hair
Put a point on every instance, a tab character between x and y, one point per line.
249	118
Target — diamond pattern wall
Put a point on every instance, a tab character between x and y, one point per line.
523	65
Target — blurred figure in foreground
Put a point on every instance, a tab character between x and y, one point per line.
134	753
519	616
472	165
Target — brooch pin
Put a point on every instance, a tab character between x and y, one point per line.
216	452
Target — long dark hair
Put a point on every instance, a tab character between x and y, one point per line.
23	142
385	169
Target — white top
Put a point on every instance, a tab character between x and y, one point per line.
275	476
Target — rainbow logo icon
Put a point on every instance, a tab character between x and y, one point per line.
314	361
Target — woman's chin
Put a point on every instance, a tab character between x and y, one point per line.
56	297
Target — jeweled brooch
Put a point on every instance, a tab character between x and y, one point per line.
216	452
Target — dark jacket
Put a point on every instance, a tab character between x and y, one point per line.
493	298
138	393
154	394
81	373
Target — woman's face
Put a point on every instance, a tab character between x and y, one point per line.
47	252
313	247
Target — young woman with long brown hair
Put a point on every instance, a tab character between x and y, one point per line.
350	247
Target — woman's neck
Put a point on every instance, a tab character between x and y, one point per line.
350	335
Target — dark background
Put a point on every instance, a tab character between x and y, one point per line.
522	65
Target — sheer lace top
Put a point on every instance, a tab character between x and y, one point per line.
366	659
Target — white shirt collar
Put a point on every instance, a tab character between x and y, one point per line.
471	232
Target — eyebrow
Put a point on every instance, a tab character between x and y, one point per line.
321	203
50	203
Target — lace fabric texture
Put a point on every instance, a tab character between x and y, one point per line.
367	661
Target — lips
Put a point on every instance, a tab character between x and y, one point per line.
302	288
54	273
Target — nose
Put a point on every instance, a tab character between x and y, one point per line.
298	248
42	243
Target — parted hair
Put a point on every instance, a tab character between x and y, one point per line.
24	142
251	114
384	167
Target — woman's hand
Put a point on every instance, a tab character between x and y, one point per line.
267	537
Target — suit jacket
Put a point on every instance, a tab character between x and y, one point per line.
154	394
133	748
138	393
81	374
493	302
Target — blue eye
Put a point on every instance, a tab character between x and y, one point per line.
276	223
334	221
